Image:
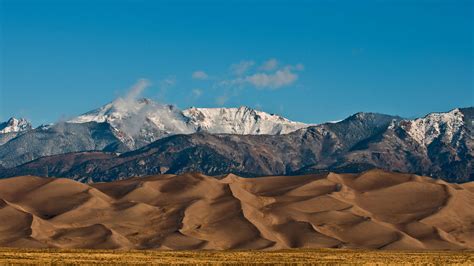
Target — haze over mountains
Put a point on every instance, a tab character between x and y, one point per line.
131	137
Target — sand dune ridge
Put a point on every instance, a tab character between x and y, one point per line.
374	209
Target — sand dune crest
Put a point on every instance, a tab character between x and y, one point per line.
374	209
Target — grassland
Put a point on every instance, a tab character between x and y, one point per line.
297	256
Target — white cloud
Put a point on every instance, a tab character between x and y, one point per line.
299	67
168	82
280	78
136	90
269	65
270	74
200	75
129	101
196	93
242	67
164	85
221	100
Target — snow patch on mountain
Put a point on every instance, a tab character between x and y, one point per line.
242	121
447	126
143	121
14	125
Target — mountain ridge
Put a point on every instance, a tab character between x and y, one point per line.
144	121
131	124
361	141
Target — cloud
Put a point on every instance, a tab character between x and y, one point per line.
280	78
242	67
200	75
269	65
164	85
168	82
137	89
299	67
196	93
129	103
268	76
129	100
221	100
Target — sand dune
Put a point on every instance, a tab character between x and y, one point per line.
374	209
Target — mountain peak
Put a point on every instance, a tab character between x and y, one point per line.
142	121
145	101
445	125
239	120
15	125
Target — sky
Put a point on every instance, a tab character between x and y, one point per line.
310	61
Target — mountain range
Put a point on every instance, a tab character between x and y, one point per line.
125	139
123	126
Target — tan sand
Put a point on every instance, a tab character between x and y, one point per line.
372	210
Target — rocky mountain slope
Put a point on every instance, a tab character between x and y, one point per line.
371	210
360	142
438	145
58	139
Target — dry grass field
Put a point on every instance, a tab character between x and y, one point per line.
294	256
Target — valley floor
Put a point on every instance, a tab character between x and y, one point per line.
294	256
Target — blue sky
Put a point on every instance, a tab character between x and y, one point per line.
310	61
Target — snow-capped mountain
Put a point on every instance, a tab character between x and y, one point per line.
141	122
12	128
445	140
14	125
439	144
242	121
446	127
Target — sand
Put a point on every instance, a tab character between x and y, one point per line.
371	210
